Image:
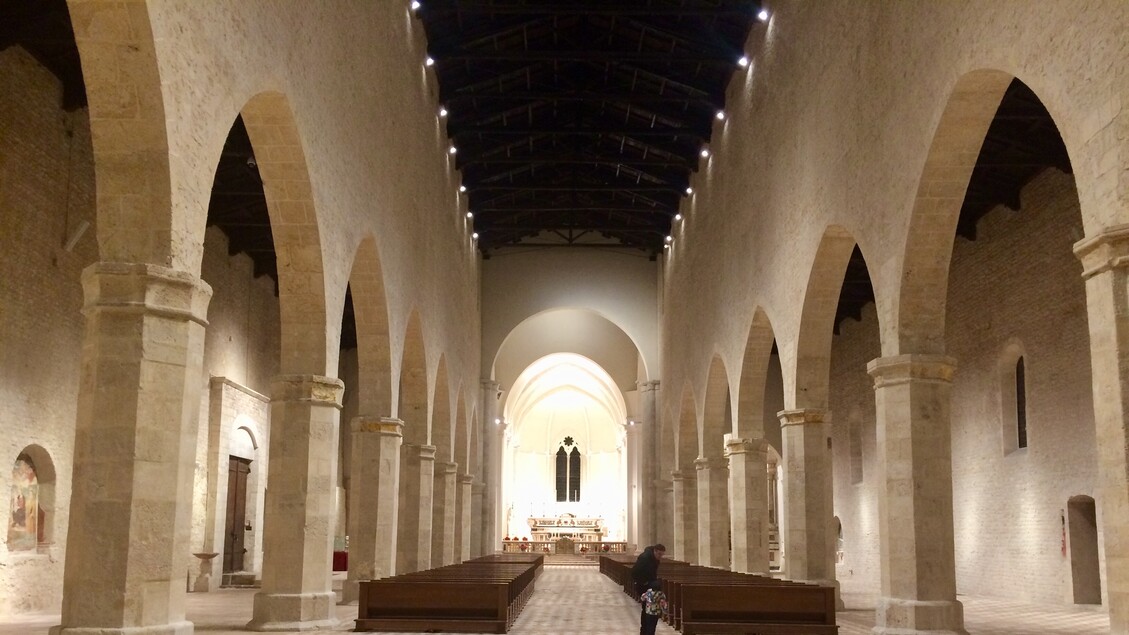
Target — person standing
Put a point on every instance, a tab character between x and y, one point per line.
646	568
654	605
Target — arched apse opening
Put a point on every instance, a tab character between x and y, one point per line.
685	478
712	470
750	523
567	402
417	457
581	331
445	474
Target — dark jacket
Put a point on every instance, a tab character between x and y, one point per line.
646	568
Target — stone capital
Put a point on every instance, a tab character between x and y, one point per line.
903	369
803	416
745	446
387	426
646	386
143	289
443	468
466	479
1105	251
678	476
312	389
425	452
713	463
491	385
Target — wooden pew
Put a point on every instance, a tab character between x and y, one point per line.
478	596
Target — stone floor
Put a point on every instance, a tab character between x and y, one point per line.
579	600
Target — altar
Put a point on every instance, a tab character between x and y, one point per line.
581	529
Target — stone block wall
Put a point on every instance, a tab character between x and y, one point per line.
1018	282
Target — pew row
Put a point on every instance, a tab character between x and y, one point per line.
483	595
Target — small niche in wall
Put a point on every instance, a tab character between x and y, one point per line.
30	501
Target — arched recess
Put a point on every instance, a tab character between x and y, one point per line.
281	161
413	383
920	320
750	422
441	426
1085	568
136	221
821	299
370	308
717	418
31	521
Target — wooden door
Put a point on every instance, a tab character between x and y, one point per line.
233	550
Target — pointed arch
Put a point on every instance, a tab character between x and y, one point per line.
813	345
750	422
129	136
413	383
718	417
919	325
370	308
297	239
440	427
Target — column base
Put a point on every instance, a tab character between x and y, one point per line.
350	592
897	616
293	612
176	628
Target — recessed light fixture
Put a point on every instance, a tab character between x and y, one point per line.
762	15
720	114
743	62
430	61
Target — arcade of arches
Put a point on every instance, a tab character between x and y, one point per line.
175	419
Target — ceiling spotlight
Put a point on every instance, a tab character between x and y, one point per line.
762	15
678	217
705	153
474	235
462	188
743	62
452	150
430	61
669	239
442	111
689	190
415	5
470	214
498	421
720	114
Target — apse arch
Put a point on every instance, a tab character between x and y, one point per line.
586	332
546	377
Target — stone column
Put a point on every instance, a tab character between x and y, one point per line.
713	512
648	519
915	504
477	536
497	436
417	490
748	507
491	540
134	451
808	537
634	482
374	490
443	514
1105	260
664	512
301	488
775	551
464	519
685	516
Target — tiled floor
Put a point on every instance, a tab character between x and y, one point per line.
580	601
